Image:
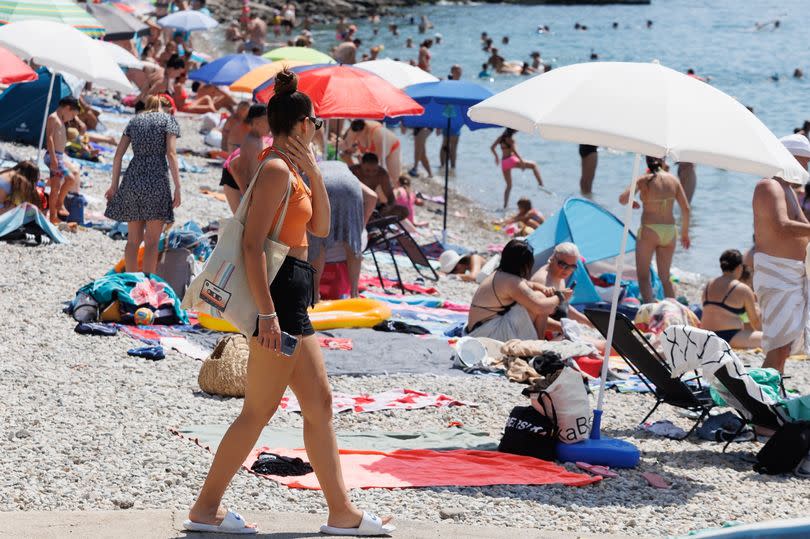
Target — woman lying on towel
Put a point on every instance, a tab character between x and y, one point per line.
726	300
509	306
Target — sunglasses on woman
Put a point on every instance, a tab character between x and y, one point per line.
565	265
317	122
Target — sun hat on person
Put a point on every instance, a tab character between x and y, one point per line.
797	144
449	260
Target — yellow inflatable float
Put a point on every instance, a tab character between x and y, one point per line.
337	314
348	313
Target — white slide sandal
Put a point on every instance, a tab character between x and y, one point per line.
370	526
233	523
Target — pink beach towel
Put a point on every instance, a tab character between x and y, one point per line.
427	468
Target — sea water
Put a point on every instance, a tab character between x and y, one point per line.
716	38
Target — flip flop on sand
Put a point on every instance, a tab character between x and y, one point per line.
595	469
370	526
233	523
656	480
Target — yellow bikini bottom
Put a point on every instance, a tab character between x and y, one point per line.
666	232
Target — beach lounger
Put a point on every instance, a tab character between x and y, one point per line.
651	368
384	234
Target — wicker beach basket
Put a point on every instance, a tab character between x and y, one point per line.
225	371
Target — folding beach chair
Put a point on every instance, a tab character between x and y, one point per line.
693	347
384	234
648	364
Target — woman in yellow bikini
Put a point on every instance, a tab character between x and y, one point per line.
658	191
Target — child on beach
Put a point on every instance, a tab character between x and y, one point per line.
64	174
404	196
78	146
527	219
19	185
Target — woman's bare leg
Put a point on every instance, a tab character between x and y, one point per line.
268	374
311	386
354	263
645	246
135	233
747	339
151	239
507	177
453	146
663	261
533	167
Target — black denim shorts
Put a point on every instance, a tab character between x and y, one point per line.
293	292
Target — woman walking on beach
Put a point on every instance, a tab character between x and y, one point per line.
144	200
512	159
727	300
658	191
283	306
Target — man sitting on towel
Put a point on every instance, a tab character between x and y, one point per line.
507	305
782	233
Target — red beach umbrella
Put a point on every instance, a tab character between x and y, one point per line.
343	91
12	69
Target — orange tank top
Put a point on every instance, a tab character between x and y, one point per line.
299	211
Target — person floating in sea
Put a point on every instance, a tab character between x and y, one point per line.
512	159
658	191
782	232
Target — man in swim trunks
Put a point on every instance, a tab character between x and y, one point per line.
256	32
782	232
373	176
63	176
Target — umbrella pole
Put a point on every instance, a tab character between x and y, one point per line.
446	179
614	304
45	119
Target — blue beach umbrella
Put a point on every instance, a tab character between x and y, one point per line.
446	103
226	70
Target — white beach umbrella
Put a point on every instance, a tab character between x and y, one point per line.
397	73
122	57
64	49
647	109
188	20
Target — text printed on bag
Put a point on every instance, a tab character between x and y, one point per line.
519	424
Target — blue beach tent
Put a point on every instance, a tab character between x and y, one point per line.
22	106
595	231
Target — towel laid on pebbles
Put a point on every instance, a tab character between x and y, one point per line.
396	399
209	437
426	468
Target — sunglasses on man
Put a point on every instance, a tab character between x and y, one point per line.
317	122
564	265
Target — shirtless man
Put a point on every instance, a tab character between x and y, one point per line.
781	232
559	269
235	129
256	32
64	175
373	176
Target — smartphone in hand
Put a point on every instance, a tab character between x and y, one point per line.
288	344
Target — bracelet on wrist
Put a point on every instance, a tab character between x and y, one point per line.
268	316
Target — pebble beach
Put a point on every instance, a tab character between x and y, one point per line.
86	427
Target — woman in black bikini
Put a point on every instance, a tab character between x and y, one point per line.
509	306
725	316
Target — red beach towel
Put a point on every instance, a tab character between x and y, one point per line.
427	468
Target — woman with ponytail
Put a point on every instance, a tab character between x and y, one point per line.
658	191
273	365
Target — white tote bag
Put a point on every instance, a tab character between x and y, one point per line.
221	289
570	400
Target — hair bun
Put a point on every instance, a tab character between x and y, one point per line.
286	82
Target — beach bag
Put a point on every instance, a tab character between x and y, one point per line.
176	267
225	371
567	396
221	289
786	449
530	433
75	203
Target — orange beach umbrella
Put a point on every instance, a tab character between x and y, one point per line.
258	76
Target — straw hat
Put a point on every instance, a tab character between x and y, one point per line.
225	371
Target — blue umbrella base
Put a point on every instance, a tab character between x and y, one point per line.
603	451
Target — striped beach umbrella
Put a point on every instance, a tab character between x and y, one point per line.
63	11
